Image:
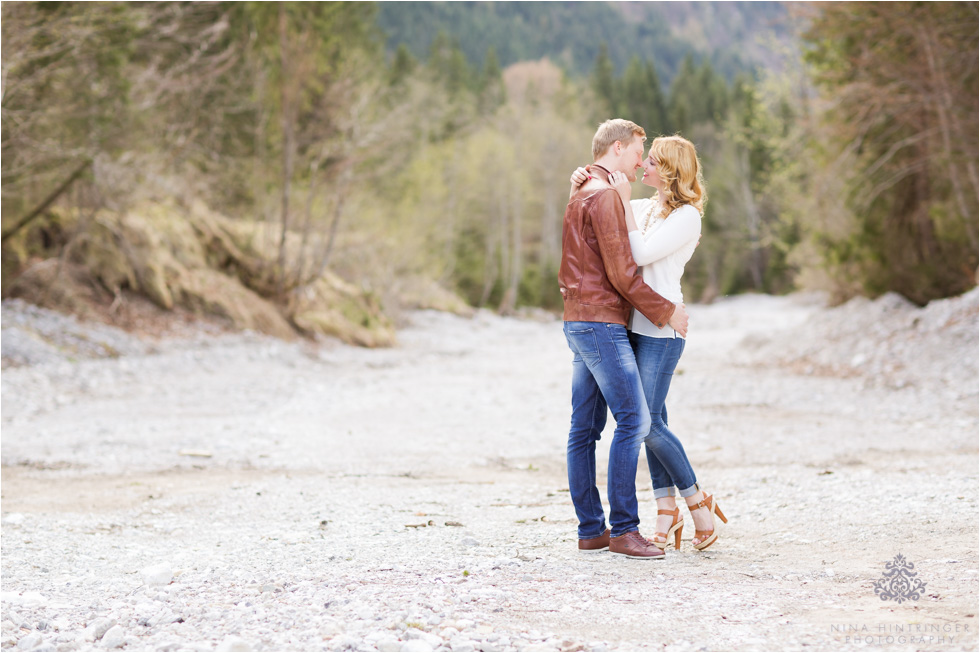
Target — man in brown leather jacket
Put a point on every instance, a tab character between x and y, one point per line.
600	284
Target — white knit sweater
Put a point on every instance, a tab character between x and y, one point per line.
661	249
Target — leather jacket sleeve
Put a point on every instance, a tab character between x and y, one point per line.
609	225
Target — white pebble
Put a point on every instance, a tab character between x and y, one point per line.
462	645
388	644
234	644
115	637
159	574
30	641
416	646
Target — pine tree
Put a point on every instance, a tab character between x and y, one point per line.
658	103
604	84
684	99
491	86
402	65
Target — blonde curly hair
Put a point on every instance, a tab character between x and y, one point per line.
680	169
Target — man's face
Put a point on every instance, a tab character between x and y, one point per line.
631	158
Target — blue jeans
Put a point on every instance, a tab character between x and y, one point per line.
604	373
668	463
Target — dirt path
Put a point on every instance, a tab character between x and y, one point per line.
415	498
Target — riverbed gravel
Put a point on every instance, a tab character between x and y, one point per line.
232	492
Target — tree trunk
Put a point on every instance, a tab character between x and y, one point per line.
942	103
509	303
288	145
753	221
48	201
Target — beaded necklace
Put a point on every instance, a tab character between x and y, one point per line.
648	216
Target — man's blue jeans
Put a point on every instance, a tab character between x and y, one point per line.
604	373
669	467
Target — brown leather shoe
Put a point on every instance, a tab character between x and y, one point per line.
595	544
634	545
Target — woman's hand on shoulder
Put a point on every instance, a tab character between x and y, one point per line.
620	182
580	176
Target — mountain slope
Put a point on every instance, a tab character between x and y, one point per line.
735	36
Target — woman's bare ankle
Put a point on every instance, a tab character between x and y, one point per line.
667	503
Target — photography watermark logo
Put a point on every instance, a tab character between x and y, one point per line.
899	582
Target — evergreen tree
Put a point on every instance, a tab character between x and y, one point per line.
658	103
448	65
642	97
491	85
713	93
604	85
684	98
903	79
402	65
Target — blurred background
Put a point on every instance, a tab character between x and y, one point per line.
320	168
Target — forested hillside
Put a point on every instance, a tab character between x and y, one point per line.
734	36
307	168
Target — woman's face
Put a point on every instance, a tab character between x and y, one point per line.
651	175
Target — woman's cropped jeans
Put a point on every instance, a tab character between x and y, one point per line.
604	373
656	359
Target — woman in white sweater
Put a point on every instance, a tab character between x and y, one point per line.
664	231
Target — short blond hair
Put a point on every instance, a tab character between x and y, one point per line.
614	130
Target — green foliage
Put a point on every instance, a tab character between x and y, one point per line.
730	35
903	138
604	85
446	162
643	97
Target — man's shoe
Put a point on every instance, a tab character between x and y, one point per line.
595	544
634	545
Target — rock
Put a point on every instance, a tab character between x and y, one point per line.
160	574
13	519
365	612
162	618
30	641
388	644
115	637
232	643
344	643
469	541
462	645
416	646
97	629
27	599
433	640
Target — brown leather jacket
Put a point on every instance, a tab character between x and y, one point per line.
598	276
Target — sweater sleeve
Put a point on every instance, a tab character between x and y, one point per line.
609	224
680	228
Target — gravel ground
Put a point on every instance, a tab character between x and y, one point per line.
233	492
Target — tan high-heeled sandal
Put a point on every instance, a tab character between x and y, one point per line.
676	527
703	539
